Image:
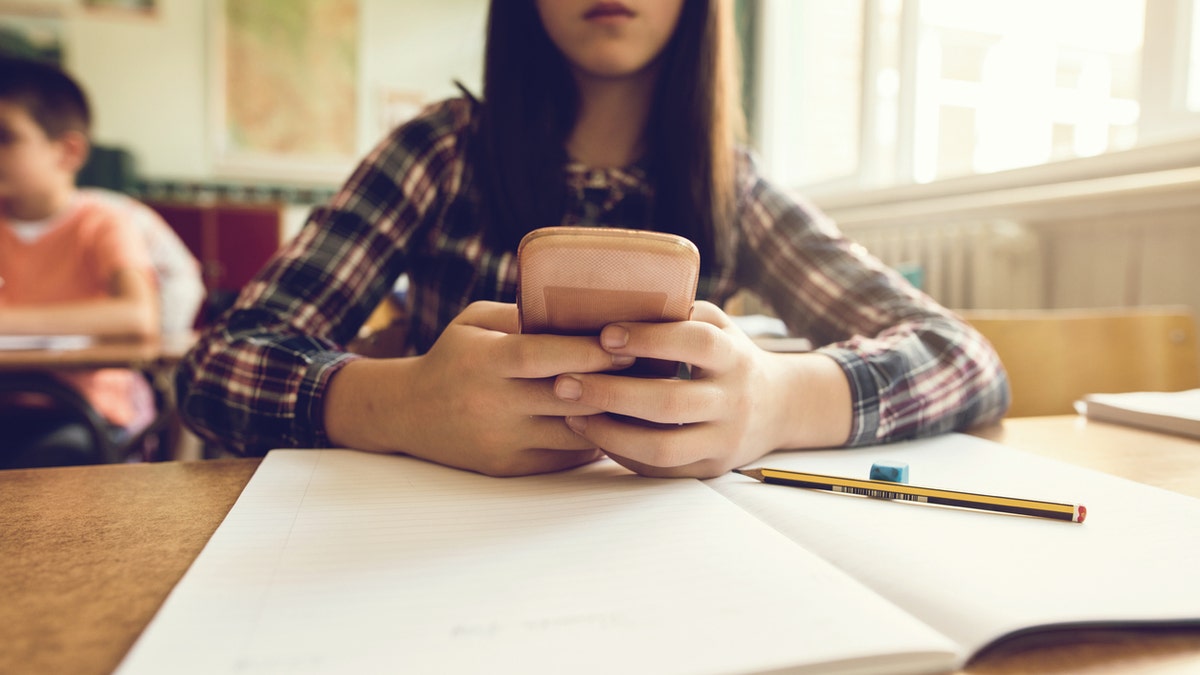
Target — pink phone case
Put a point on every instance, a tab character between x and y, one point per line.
576	280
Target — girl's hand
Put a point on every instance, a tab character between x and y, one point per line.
481	399
741	403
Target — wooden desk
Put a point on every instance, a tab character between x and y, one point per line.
138	355
88	554
1162	460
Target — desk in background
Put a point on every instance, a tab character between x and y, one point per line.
26	370
90	553
136	354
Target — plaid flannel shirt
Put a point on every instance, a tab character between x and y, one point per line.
256	380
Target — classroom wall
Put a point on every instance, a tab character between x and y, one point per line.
148	76
145	79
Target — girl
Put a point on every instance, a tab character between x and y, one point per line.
595	113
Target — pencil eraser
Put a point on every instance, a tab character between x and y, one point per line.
892	472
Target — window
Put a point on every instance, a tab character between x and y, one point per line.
860	94
1194	63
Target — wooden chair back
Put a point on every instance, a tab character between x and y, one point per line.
1054	357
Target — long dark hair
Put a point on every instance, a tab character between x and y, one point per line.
530	106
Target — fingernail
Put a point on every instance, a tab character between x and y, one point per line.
568	388
577	424
622	360
614	337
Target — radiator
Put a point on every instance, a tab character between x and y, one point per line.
995	264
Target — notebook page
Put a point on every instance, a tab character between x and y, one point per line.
338	561
976	575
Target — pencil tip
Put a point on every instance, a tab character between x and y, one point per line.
756	474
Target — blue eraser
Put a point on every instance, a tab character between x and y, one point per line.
892	472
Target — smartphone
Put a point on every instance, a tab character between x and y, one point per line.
576	280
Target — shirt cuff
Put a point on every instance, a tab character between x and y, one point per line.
864	395
309	423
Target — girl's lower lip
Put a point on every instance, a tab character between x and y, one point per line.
606	14
613	17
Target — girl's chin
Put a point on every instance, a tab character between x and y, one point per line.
611	68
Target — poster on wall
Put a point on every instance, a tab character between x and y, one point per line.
31	32
285	89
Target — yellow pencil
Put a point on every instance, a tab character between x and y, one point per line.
881	489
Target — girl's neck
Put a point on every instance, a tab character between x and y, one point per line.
612	119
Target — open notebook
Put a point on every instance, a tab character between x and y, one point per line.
335	561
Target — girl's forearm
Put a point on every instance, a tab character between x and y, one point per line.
366	405
815	410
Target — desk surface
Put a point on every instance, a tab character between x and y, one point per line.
88	554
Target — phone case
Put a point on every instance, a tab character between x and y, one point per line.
576	280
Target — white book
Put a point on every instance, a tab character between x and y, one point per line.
1175	412
335	561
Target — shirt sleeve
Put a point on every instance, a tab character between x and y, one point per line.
915	368
117	246
256	379
176	271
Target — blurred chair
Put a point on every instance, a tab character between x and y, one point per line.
108	167
55	397
1054	357
150	442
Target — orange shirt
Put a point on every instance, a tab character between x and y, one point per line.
73	258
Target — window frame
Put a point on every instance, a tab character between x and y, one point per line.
1168	133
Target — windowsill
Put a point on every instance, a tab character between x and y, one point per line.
1146	192
1182	153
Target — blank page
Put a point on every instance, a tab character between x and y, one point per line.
978	575
339	561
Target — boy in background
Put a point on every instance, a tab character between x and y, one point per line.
69	264
181	289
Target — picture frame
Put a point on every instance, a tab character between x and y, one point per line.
284	92
145	9
32	31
